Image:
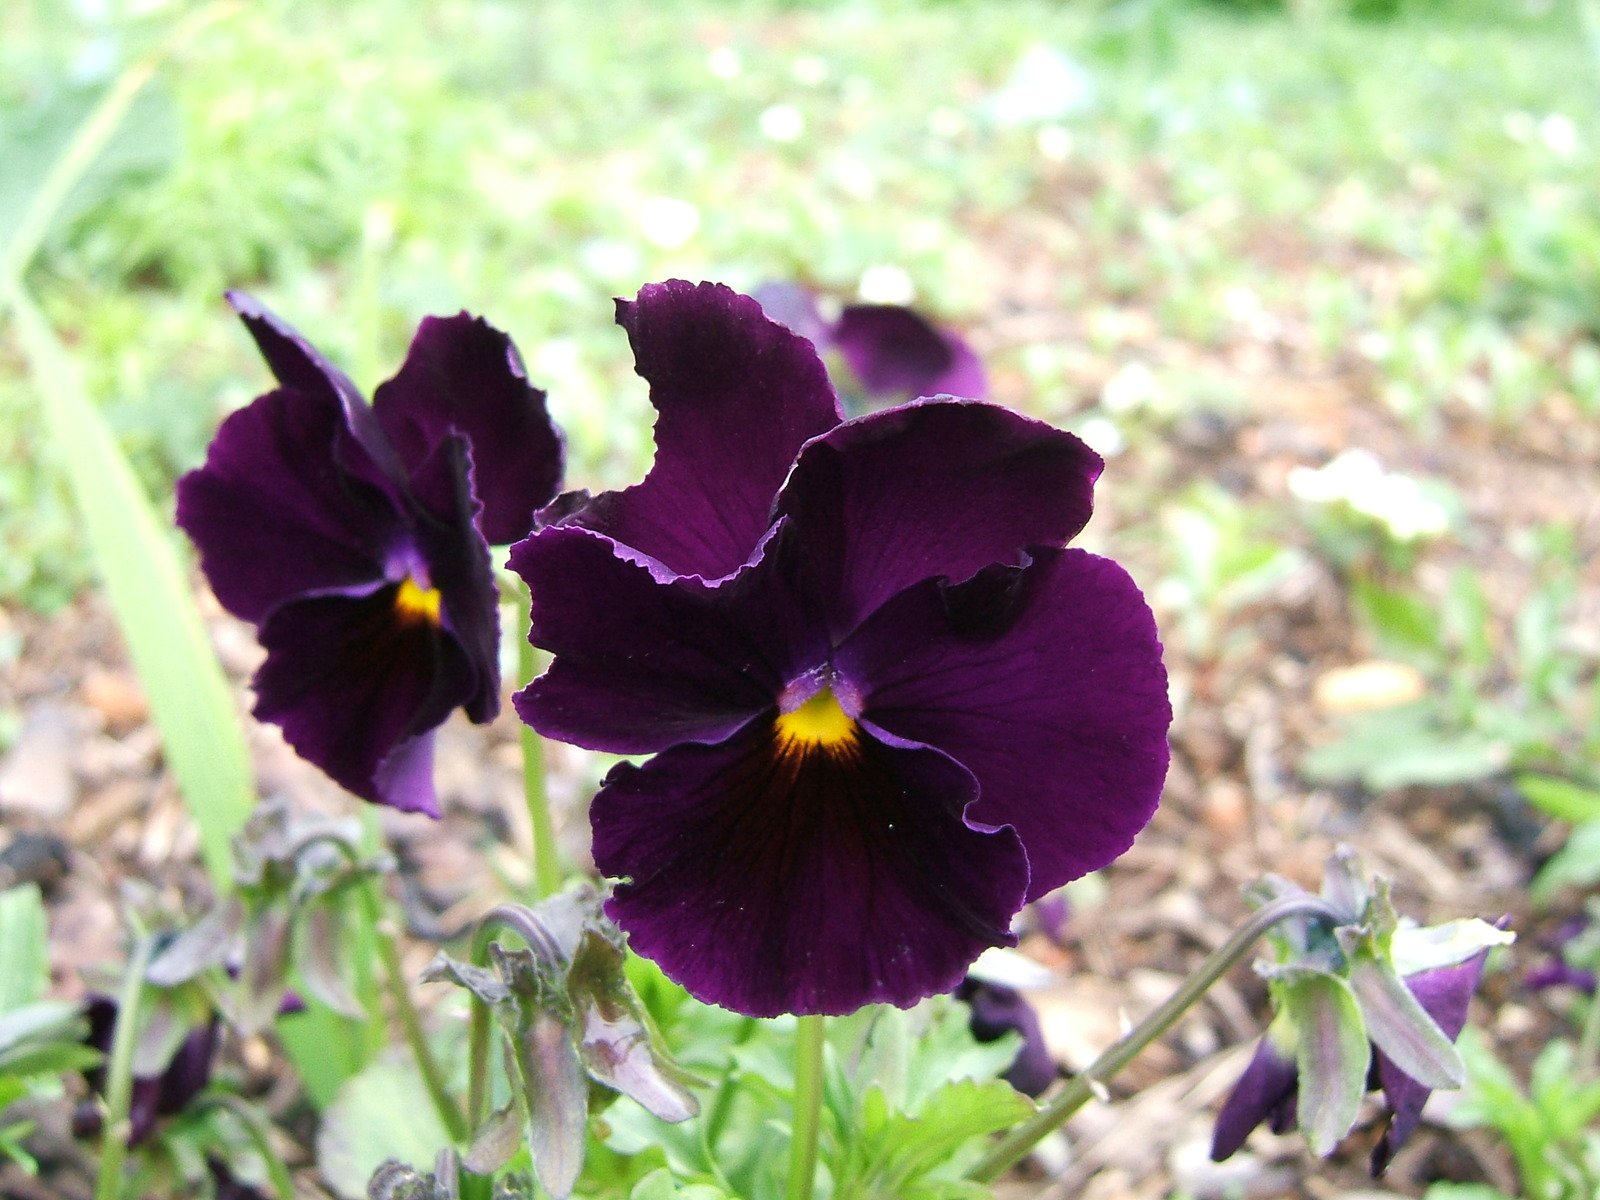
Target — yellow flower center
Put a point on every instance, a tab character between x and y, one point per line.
818	722
414	603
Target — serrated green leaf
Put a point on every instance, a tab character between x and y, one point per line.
139	563
24	950
900	1148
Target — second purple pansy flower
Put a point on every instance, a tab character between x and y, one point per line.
887	706
356	538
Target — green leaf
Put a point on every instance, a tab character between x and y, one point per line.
24	950
1401	1027
1576	864
145	580
902	1148
1561	798
73	150
1403	747
378	1115
1464	1191
659	1185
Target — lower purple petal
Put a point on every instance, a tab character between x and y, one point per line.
351	683
1264	1093
1446	993
642	665
1044	681
779	881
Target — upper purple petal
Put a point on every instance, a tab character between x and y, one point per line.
288	503
929	489
357	690
1263	1093
770	881
1046	682
297	364
642	665
463	374
897	353
1446	994
737	396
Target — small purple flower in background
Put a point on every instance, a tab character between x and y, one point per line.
356	538
164	1093
887	706
998	1010
1267	1091
892	353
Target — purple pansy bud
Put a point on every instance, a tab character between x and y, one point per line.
165	1091
356	539
890	353
1265	1093
998	1010
887	705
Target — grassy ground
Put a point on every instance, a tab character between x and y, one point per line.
1223	246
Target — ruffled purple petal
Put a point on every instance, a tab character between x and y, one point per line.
277	513
775	881
642	665
933	488
738	395
1264	1093
463	374
998	1010
1446	994
897	353
357	686
1046	682
300	366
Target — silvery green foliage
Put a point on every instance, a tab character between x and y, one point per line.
292	909
569	1019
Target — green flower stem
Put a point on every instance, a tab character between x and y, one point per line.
1589	1041
119	1076
547	873
1011	1148
808	1047
520	921
256	1130
411	1022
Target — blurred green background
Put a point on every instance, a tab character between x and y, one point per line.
1225	241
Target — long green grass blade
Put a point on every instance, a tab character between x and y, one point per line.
148	588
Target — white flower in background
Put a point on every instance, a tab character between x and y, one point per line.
810	70
724	63
1054	142
1560	134
1103	437
667	222
886	283
782	123
1134	386
611	259
1394	500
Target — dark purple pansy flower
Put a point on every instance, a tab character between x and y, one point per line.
1266	1092
356	538
893	352
153	1096
998	1010
887	706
